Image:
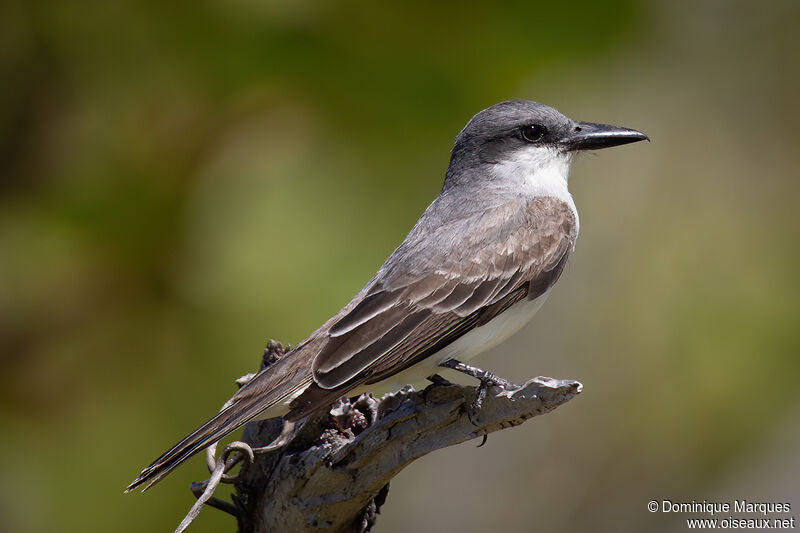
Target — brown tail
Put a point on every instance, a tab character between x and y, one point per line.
266	389
223	423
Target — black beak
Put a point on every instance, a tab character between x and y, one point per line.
590	136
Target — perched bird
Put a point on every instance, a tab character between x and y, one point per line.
475	268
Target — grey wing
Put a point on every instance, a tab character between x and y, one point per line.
400	321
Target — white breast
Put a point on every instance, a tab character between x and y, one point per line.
538	171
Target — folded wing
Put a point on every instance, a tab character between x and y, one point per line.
408	314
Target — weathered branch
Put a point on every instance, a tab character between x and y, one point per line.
336	473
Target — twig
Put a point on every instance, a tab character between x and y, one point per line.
220	467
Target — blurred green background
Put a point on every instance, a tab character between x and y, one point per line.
180	182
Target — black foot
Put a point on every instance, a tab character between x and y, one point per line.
436	379
487	380
477	403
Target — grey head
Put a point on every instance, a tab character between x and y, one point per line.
505	131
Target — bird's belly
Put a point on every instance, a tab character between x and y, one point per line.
466	347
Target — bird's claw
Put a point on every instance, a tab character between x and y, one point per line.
477	403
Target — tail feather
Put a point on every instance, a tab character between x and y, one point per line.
220	425
265	390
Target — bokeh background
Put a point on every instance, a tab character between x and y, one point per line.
181	182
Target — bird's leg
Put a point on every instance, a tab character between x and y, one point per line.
487	380
438	380
484	376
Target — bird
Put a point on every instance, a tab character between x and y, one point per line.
474	269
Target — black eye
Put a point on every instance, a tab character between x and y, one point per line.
533	132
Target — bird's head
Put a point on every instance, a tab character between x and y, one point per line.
522	137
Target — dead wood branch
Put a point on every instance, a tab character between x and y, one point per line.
334	474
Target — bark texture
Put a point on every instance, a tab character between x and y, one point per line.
335	473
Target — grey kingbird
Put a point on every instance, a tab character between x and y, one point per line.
475	268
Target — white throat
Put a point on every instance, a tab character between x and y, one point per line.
538	171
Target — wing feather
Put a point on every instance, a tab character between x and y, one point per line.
404	314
